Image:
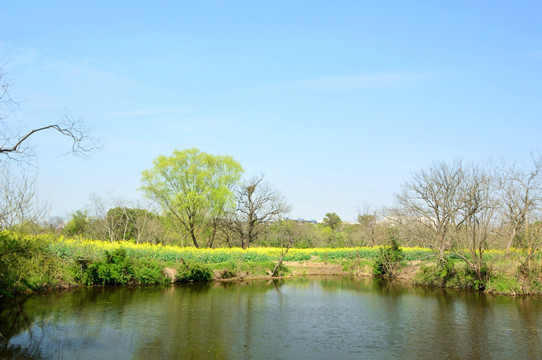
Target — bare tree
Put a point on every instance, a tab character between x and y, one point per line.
119	219
480	207
14	144
69	127
368	220
107	225
18	202
456	208
144	222
257	205
290	233
521	191
431	202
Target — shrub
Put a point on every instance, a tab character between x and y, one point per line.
193	271
443	274
26	264
115	269
477	280
148	272
503	285
388	260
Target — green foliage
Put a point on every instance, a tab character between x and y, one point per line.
388	260
193	271
503	285
477	280
78	225
530	274
148	272
115	269
192	186
26	264
449	274
358	266
227	270
30	262
443	274
282	270
245	268
333	221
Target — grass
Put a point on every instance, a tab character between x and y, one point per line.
29	262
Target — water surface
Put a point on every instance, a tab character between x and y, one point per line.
304	318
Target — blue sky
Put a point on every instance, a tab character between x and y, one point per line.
337	103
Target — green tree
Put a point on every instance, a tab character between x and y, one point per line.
192	187
79	224
334	222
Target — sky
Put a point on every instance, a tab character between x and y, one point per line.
337	103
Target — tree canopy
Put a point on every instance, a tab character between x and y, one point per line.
192	186
332	220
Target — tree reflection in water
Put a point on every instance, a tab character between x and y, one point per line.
319	317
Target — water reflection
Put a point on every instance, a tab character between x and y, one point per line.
316	318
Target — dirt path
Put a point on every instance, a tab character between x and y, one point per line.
315	268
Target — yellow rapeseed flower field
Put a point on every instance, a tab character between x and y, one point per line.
93	249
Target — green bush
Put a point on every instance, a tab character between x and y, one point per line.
449	274
503	285
148	272
115	269
443	274
389	259
477	281
27	264
193	271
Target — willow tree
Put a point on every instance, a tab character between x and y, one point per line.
194	188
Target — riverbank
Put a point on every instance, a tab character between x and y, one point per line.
501	283
38	263
504	279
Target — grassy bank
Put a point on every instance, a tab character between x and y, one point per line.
35	263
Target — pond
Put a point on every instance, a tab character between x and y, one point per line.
302	318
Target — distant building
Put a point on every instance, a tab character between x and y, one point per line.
303	221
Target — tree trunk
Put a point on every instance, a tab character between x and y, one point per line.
193	236
281	259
